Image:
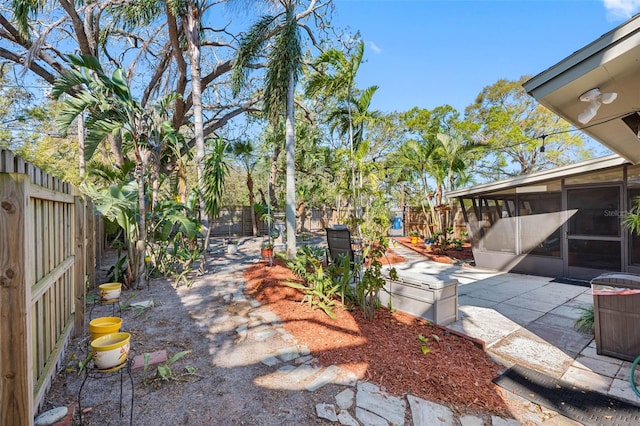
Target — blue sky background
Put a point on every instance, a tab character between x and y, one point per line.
428	53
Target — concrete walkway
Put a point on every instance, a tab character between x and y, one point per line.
529	320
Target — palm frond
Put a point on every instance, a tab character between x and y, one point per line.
216	169
249	50
22	9
284	63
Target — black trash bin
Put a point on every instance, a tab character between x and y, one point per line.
616	307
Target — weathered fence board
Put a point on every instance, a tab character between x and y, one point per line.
16	356
44	263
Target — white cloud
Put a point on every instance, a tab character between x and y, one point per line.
621	9
376	49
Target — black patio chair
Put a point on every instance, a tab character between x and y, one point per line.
339	245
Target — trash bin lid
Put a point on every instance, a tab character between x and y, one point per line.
418	279
616	283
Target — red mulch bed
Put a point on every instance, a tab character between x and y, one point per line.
434	253
386	350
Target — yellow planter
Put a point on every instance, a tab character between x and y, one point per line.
104	325
110	291
414	239
111	350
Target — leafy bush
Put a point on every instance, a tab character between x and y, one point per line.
321	286
372	281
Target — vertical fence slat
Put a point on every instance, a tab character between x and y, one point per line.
91	248
7	161
15	302
79	265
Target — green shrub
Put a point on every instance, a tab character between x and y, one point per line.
586	322
321	285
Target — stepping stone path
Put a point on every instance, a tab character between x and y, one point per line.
295	368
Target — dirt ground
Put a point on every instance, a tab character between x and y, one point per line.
216	382
201	318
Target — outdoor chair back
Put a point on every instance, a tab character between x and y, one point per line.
339	244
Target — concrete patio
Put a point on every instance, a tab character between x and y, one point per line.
529	320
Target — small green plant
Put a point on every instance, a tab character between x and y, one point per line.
372	281
164	370
586	321
457	243
83	363
414	234
320	285
424	342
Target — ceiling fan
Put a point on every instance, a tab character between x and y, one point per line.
595	99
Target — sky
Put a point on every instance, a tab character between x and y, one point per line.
428	53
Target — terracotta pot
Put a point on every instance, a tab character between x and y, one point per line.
266	252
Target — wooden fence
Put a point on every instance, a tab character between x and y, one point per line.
44	253
236	221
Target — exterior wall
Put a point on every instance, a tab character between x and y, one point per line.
524	264
523	229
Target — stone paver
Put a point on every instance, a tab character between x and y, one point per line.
469	420
345	399
429	413
389	407
327	411
327	376
346	419
370	419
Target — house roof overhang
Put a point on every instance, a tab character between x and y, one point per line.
612	64
588	166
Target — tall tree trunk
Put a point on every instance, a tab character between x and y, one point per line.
81	160
182	181
115	143
273	173
290	212
137	263
192	32
254	221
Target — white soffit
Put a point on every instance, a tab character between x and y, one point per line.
611	63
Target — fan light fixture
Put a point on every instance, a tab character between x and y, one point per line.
595	99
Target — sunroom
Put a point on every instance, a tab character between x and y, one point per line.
567	222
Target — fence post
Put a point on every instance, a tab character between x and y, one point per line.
79	265
90	219
16	359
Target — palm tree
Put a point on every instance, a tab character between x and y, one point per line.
215	172
245	152
416	158
284	65
190	12
351	115
111	109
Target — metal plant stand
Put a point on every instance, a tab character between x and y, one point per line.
112	302
96	373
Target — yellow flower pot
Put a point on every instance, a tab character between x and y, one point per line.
111	350
104	325
110	291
